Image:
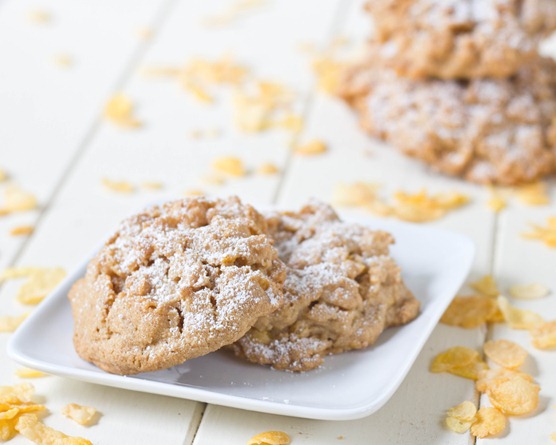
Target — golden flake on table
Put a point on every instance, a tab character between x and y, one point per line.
206	133
531	291
328	71
486	286
414	207
39	16
535	194
234	11
22	230
40	281
545	234
229	165
518	318
64	60
505	353
119	110
311	148
29	426
270	438
144	33
496	202
151	185
514	393
544	335
17	200
3	175
470	311
193	193
28	373
460	417
83	415
118	186
268	168
489	422
460	361
15	401
213	178
9	323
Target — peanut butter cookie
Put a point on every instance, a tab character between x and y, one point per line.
342	290
176	282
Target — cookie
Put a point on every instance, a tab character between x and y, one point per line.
452	39
342	290
176	282
488	131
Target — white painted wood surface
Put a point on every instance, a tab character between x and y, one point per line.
54	143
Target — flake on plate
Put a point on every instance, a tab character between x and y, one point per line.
505	353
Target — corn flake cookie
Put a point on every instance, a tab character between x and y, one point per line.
488	131
175	282
342	290
456	39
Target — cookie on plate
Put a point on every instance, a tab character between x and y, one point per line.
453	39
490	131
342	290
175	282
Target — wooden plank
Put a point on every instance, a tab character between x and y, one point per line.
48	110
521	261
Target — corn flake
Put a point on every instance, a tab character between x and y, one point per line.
528	291
39	284
544	335
270	438
3	175
118	186
515	396
119	110
312	148
518	318
496	202
460	361
489	422
22	230
83	415
267	169
152	185
17	200
29	426
535	194
10	323
505	353
545	234
229	165
486	286
470	312
39	16
28	373
63	60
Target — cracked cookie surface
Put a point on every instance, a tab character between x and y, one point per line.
452	39
175	282
342	290
488	131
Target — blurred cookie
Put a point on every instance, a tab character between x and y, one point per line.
175	282
452	39
342	290
488	131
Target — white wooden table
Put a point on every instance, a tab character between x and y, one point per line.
54	142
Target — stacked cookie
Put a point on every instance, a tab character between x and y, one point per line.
189	277
460	85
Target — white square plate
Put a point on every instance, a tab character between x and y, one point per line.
434	265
